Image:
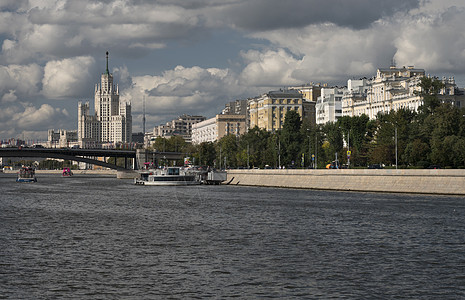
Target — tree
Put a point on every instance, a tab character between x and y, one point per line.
291	138
430	89
253	147
333	142
205	154
227	148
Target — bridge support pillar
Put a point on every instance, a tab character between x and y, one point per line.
141	158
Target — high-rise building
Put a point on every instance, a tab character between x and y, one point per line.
112	122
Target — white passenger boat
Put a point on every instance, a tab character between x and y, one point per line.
168	176
26	174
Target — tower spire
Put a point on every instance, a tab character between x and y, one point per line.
107	72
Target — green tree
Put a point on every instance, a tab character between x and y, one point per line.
333	139
430	89
226	150
291	138
205	154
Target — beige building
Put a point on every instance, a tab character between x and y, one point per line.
269	110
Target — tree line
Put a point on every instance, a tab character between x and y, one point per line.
433	135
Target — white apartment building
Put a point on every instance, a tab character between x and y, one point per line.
329	105
219	126
393	89
205	131
355	97
112	122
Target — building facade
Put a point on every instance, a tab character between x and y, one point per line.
329	105
112	122
182	126
268	111
62	138
393	89
219	126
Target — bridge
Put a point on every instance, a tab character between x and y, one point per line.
133	159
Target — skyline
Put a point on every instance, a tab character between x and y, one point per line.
193	58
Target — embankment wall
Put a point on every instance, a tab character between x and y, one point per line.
426	181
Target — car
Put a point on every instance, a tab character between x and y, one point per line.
375	166
434	167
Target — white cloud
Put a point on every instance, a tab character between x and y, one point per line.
9	97
432	42
182	90
23	79
269	67
16	120
48	48
67	77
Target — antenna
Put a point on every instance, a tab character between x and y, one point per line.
393	63
143	118
107	72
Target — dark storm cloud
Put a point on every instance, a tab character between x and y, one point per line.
265	15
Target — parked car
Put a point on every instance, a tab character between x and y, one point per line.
434	167
375	166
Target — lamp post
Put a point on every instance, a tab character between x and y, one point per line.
316	150
348	149
248	165
395	138
309	148
395	131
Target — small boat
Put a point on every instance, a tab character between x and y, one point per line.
26	174
167	176
67	172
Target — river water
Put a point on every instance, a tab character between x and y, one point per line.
100	237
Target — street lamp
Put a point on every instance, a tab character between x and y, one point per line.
309	149
395	138
395	131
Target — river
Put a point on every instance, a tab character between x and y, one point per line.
98	237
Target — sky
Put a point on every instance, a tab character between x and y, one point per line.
194	56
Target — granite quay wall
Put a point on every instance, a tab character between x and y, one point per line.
425	181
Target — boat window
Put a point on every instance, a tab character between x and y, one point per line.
173	171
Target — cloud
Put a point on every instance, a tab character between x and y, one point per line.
9	97
48	49
67	77
431	41
24	80
265	15
268	67
195	91
18	119
42	117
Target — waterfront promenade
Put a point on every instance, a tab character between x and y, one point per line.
421	181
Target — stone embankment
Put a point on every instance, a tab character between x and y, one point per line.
426	181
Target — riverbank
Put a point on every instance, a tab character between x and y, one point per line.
424	181
76	172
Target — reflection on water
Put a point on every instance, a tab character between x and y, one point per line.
99	237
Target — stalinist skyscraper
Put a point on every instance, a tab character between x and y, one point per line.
112	122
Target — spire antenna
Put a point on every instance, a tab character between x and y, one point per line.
143	118
107	72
